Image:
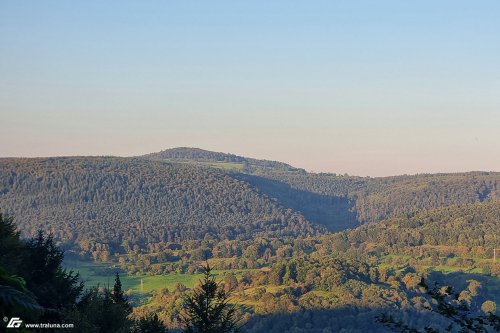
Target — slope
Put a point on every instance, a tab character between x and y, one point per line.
107	200
339	202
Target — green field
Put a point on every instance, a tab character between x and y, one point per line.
96	274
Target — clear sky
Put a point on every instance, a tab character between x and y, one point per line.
363	87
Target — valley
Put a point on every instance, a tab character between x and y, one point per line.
293	247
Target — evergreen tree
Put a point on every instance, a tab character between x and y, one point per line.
36	287
149	324
15	298
208	309
97	312
10	244
117	295
55	288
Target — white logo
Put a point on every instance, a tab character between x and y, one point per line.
14	322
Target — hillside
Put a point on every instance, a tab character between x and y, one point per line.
339	202
109	200
192	194
374	199
156	221
470	225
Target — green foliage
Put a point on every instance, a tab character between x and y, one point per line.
97	312
15	298
149	324
162	218
208	309
54	287
449	305
470	225
129	204
44	291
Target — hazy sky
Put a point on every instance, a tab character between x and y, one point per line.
363	87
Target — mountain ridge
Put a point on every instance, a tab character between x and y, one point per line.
153	199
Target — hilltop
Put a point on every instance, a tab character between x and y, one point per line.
218	159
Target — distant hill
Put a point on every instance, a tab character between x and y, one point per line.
470	226
193	194
338	201
375	199
109	200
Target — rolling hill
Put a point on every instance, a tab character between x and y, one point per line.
192	194
108	200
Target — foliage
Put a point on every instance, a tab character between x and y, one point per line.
103	205
15	297
44	291
208	309
149	324
449	305
263	227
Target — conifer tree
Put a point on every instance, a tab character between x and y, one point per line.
208	309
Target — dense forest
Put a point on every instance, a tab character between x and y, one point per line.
298	251
116	203
120	202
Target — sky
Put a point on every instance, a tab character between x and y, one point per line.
369	88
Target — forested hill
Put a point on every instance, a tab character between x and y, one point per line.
110	200
341	201
374	199
473	226
192	194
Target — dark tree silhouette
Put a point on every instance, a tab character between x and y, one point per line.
149	324
208	309
117	295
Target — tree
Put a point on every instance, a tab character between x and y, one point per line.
447	304
10	244
208	310
489	307
36	287
117	295
97	312
54	287
149	324
15	298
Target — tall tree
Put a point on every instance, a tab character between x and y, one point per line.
15	298
55	287
208	309
117	295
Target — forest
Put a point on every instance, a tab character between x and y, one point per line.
297	251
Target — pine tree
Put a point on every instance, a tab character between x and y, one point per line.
208	309
117	295
15	298
54	286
